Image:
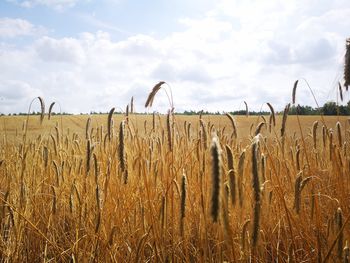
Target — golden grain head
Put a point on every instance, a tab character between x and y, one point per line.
347	65
153	93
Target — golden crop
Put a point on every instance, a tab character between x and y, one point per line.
174	188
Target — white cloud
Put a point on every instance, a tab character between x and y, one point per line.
10	28
63	50
55	4
15	94
252	51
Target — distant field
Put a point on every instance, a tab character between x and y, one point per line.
174	188
12	126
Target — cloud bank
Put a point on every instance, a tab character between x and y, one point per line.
247	50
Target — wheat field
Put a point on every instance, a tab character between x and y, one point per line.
160	188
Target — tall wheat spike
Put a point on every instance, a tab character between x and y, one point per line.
183	202
127	114
297	192
259	127
203	133
153	93
233	123
54	200
231	174
154	122
42	109
347	65
256	189
246	108
216	177
284	119
169	125
340	92
109	123
294	91
272	113
50	110
240	177
88	155
132	108
121	148
339	221
340	139
324	135
87	129
314	133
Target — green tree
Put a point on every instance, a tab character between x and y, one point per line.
329	108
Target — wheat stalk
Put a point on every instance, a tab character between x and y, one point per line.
272	113
88	156
127	114
87	129
294	91
340	140
42	108
121	148
284	119
246	109
216	177
314	133
297	192
183	202
109	123
169	130
50	109
324	135
153	93
240	177
340	92
256	189
233	123
347	65
204	133
259	127
339	221
231	174
54	200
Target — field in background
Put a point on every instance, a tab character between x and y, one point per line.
160	188
13	126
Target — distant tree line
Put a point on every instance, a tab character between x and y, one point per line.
35	113
329	108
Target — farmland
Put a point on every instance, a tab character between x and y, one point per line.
174	188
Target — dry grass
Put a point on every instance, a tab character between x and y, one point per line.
114	191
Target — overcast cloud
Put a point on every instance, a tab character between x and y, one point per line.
246	50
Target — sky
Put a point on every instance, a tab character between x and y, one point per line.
92	55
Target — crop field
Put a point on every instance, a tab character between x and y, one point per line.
160	188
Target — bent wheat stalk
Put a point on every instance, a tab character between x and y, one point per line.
156	88
233	123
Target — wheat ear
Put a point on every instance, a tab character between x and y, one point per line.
216	177
347	65
50	109
153	93
231	174
233	123
256	189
